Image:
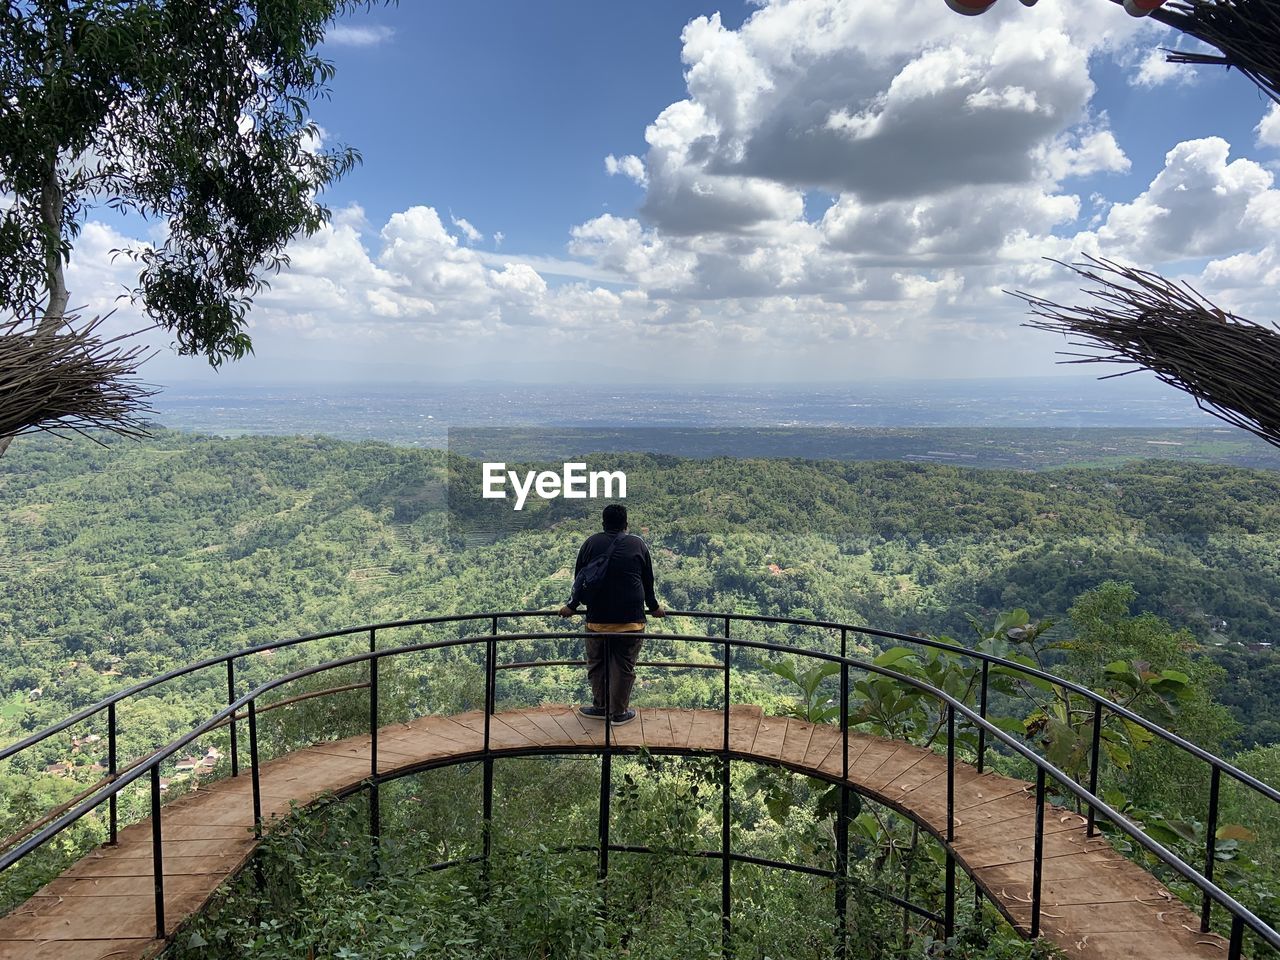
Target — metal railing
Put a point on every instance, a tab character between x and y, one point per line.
245	707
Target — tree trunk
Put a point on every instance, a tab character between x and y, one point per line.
56	282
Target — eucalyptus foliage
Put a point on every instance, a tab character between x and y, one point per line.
194	114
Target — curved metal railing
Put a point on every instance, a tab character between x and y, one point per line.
244	707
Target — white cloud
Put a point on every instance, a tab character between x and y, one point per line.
1155	70
350	35
629	166
1268	128
1199	205
940	156
469	233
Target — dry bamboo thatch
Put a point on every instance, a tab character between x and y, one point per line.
70	380
1230	365
1246	31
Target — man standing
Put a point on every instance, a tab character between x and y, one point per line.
617	606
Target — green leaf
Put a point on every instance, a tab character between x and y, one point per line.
890	657
1234	831
1012	620
1160	833
782	668
1182	828
778	805
1009	725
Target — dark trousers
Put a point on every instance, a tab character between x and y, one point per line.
614	654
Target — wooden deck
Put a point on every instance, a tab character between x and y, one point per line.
1096	904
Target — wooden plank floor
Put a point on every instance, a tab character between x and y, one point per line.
1096	904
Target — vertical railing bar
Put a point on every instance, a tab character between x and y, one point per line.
606	772
1210	844
949	906
490	681
726	685
1237	938
842	827
375	795
982	757
490	687
157	851
951	773
373	717
486	836
906	884
111	770
1037	867
253	769
726	864
949	910
982	712
375	824
231	698
1094	758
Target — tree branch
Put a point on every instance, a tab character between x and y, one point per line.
1231	366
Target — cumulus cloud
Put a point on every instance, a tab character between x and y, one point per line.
1201	204
839	178
1268	128
629	166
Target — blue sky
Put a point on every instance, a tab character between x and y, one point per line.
790	190
503	111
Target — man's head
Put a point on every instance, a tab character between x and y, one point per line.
615	518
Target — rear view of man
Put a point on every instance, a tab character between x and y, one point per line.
616	607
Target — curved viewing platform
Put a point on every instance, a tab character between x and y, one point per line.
1047	868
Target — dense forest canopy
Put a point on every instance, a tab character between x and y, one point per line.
123	560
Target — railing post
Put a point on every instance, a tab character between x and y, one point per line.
606	771
1093	761
949	910
982	712
375	801
373	717
949	904
842	825
1210	844
982	757
253	770
231	698
157	851
490	673
1237	938
486	835
1037	866
951	773
490	679
111	769
726	864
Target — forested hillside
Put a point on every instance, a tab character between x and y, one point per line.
121	560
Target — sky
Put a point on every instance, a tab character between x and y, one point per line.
781	191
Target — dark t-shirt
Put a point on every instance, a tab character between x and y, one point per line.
627	589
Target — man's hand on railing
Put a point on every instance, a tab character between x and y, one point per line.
658	612
567	611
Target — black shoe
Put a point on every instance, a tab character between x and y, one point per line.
593	713
626	716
